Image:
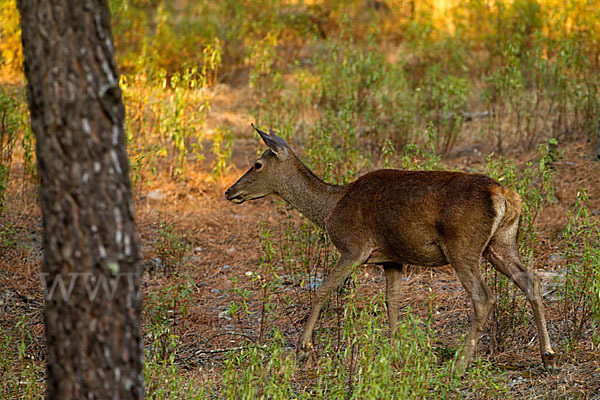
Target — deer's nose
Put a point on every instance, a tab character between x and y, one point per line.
227	193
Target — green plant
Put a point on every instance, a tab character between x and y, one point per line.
171	247
178	120
263	75
28	145
143	150
9	125
580	291
540	88
221	148
267	279
9	237
21	376
165	117
442	103
422	157
239	307
388	151
166	312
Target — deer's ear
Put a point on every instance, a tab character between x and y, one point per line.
275	143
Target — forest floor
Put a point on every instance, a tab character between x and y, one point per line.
224	246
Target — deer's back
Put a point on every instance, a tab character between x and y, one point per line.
409	216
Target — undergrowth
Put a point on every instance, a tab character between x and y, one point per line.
21	377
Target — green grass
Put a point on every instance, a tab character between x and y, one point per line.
21	377
361	364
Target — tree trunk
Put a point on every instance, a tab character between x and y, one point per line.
91	268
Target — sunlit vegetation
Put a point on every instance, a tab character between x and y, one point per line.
354	85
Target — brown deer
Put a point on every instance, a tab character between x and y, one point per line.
391	218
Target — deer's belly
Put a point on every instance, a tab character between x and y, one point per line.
426	254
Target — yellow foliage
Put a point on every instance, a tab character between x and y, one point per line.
11	52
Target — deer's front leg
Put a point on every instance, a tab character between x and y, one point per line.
342	269
393	279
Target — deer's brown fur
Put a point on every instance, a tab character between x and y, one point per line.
393	217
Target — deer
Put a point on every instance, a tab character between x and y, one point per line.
396	217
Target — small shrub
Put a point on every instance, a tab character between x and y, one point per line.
166	312
9	125
221	148
442	103
422	157
171	247
580	293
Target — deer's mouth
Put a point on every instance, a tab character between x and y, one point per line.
239	199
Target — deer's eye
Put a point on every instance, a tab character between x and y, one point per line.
258	165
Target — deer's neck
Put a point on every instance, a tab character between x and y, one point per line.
310	195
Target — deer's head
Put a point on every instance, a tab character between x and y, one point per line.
266	173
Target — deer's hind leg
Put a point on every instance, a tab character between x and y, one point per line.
467	269
503	254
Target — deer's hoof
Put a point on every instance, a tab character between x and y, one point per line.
458	369
549	360
460	364
303	353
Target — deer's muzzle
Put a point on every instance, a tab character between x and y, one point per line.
235	196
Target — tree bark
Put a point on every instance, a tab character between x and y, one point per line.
91	269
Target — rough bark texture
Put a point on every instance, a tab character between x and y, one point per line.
90	240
